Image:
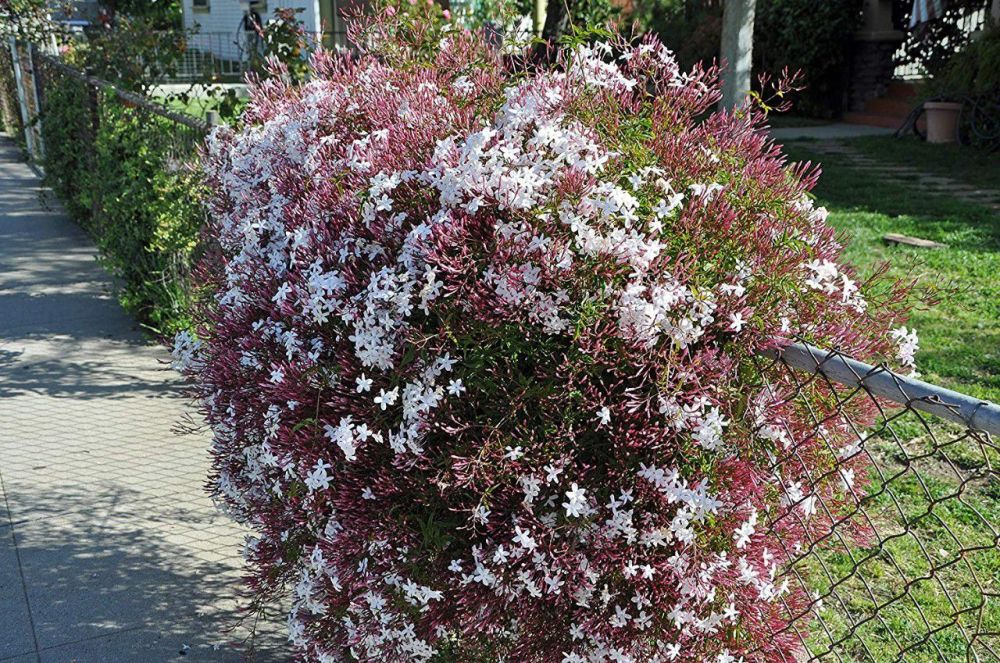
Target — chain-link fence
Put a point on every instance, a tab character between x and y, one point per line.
30	76
909	567
177	134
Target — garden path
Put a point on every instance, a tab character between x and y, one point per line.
990	197
110	550
835	139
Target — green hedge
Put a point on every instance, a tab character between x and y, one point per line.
142	208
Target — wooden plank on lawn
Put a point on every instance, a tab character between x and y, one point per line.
893	238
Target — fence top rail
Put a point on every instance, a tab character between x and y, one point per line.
973	413
126	96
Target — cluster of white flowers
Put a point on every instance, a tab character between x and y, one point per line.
824	275
907	346
665	309
185	351
701	418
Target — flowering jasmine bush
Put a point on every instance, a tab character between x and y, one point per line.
479	361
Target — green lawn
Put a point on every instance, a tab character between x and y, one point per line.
960	336
194	106
199	106
927	468
976	168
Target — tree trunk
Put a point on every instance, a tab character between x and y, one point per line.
737	51
538	17
556	20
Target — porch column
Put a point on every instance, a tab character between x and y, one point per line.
871	58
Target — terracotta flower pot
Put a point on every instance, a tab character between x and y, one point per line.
942	121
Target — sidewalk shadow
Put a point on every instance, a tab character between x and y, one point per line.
112	578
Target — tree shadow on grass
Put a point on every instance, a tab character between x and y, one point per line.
912	208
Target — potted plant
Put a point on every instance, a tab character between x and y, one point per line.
942	121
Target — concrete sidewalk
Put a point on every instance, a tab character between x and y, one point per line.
110	549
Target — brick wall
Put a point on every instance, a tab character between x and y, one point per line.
871	71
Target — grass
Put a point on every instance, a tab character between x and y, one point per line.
960	336
976	168
926	583
197	106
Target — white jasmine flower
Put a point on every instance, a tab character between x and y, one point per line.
524	539
908	344
552	473
577	504
318	479
387	398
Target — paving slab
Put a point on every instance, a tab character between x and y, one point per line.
15	622
110	549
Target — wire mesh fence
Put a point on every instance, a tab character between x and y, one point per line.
907	568
38	82
176	134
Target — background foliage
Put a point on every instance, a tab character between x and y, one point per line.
973	70
142	207
932	44
10	113
813	37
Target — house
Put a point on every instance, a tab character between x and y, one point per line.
221	26
880	90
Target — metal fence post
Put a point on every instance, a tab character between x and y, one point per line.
22	99
94	110
36	85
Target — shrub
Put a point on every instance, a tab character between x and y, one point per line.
973	70
122	184
480	363
67	132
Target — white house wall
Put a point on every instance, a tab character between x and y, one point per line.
219	27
